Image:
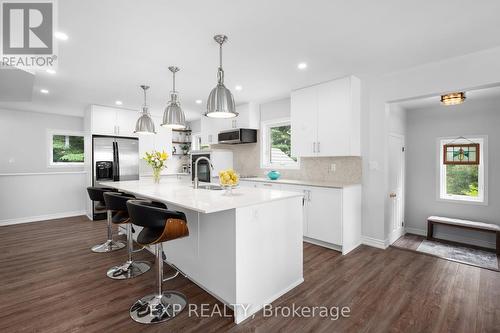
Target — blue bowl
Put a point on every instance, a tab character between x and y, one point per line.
273	174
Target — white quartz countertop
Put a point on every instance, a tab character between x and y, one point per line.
181	193
300	182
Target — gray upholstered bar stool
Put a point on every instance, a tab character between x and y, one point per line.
159	225
117	203
97	194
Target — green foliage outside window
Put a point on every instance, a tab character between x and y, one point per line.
67	149
462	180
281	139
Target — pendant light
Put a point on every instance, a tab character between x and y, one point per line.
220	103
145	124
173	116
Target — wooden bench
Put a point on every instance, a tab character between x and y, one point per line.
464	224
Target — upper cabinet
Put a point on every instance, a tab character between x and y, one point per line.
111	121
248	117
325	119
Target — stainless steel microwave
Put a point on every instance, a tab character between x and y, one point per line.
237	136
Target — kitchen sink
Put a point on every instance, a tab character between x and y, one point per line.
211	187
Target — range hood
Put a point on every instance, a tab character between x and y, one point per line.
237	136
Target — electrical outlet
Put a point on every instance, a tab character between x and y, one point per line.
333	168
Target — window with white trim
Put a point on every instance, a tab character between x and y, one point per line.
462	172
65	148
276	146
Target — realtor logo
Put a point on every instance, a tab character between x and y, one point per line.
27	27
27	34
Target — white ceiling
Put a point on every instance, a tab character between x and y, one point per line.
115	45
434	101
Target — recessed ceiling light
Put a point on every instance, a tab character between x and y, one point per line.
302	65
198	101
60	35
118	102
44	91
453	98
51	71
238	88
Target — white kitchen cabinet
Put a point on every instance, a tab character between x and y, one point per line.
325	119
111	121
332	216
324	207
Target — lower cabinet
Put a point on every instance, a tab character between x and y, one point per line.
332	216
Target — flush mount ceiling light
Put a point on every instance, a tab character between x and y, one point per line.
51	71
145	124
238	88
44	91
453	98
302	66
198	101
60	35
118	102
173	116
220	103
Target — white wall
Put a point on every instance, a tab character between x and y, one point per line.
275	110
425	126
460	73
30	189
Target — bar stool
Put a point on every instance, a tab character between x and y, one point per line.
97	194
117	203
159	225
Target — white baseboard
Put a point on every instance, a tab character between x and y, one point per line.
38	218
323	244
453	238
374	242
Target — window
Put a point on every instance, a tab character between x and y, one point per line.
462	169
276	145
65	148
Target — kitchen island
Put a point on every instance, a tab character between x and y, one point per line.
245	249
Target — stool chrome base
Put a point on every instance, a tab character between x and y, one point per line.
108	246
128	270
158	308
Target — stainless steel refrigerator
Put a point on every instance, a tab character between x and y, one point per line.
113	159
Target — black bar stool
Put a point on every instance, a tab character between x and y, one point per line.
117	203
159	225
97	194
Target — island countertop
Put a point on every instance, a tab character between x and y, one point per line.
181	193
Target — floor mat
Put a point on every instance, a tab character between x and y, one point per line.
460	253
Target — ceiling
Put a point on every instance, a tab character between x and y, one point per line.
434	101
115	45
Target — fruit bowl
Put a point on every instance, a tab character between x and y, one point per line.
228	179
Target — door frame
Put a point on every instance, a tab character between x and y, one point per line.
393	237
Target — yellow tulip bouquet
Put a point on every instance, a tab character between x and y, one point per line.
157	160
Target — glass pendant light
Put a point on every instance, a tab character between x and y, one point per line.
220	103
173	116
145	124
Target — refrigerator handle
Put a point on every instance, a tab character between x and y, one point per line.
116	162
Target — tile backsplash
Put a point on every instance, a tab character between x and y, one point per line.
347	169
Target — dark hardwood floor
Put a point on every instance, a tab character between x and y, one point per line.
51	282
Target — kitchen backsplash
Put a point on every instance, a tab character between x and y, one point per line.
347	169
